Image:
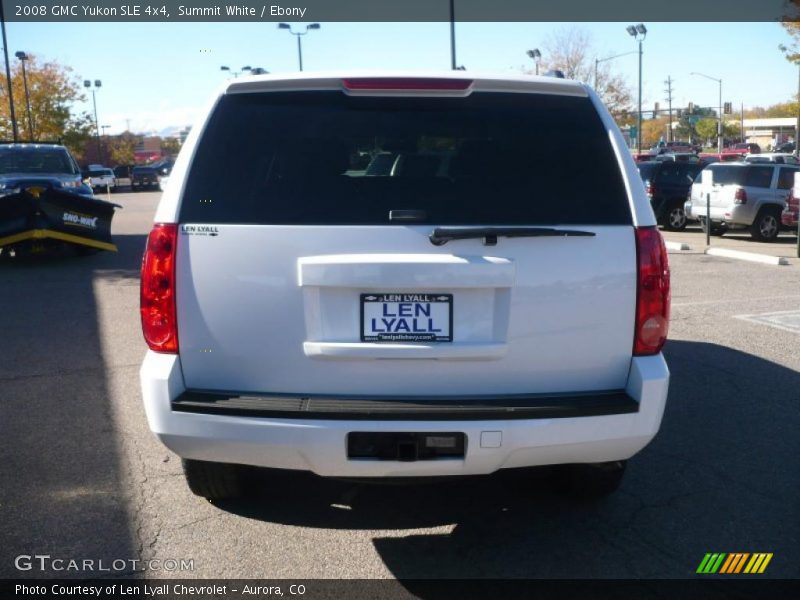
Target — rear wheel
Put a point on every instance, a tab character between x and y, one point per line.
215	481
767	225
590	481
675	219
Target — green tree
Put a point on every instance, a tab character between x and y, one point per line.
706	129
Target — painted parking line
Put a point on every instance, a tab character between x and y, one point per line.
748	256
787	320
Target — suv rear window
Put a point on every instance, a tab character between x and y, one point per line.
678	173
328	158
727	174
648	169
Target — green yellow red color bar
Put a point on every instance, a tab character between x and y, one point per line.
734	563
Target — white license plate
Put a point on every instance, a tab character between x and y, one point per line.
406	317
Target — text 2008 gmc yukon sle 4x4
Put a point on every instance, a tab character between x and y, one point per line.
483	304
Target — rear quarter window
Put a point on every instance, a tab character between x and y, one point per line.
786	178
326	158
759	176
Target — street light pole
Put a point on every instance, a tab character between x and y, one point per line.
22	58
597	62
720	139
453	35
8	75
719	114
796	133
97	84
536	55
639	120
298	34
635	31
300	53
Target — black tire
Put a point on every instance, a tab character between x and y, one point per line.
716	230
767	225
675	218
214	481
589	481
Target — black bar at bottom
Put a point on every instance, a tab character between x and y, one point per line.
514	406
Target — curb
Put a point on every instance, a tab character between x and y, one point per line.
748	256
677	246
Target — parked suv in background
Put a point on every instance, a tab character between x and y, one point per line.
301	314
743	195
667	184
144	177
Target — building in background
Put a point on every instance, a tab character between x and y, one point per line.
148	149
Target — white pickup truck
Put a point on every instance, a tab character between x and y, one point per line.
101	179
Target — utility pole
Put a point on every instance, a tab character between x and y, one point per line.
8	75
741	126
668	92
796	138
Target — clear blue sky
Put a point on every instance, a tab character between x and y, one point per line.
159	74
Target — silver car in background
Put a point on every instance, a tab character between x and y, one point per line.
742	195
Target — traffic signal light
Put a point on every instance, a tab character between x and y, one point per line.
680	113
728	108
655	110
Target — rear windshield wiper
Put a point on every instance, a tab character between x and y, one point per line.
442	235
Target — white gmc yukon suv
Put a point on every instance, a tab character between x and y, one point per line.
483	302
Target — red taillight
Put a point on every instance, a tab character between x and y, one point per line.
405	83
793	202
652	292
157	299
649	189
740	197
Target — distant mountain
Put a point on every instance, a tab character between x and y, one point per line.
171	131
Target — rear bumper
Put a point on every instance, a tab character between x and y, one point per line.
319	444
737	214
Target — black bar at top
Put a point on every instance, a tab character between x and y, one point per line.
405	11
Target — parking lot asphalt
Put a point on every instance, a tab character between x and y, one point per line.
785	246
82	476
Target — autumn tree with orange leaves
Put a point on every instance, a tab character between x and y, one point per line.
53	91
